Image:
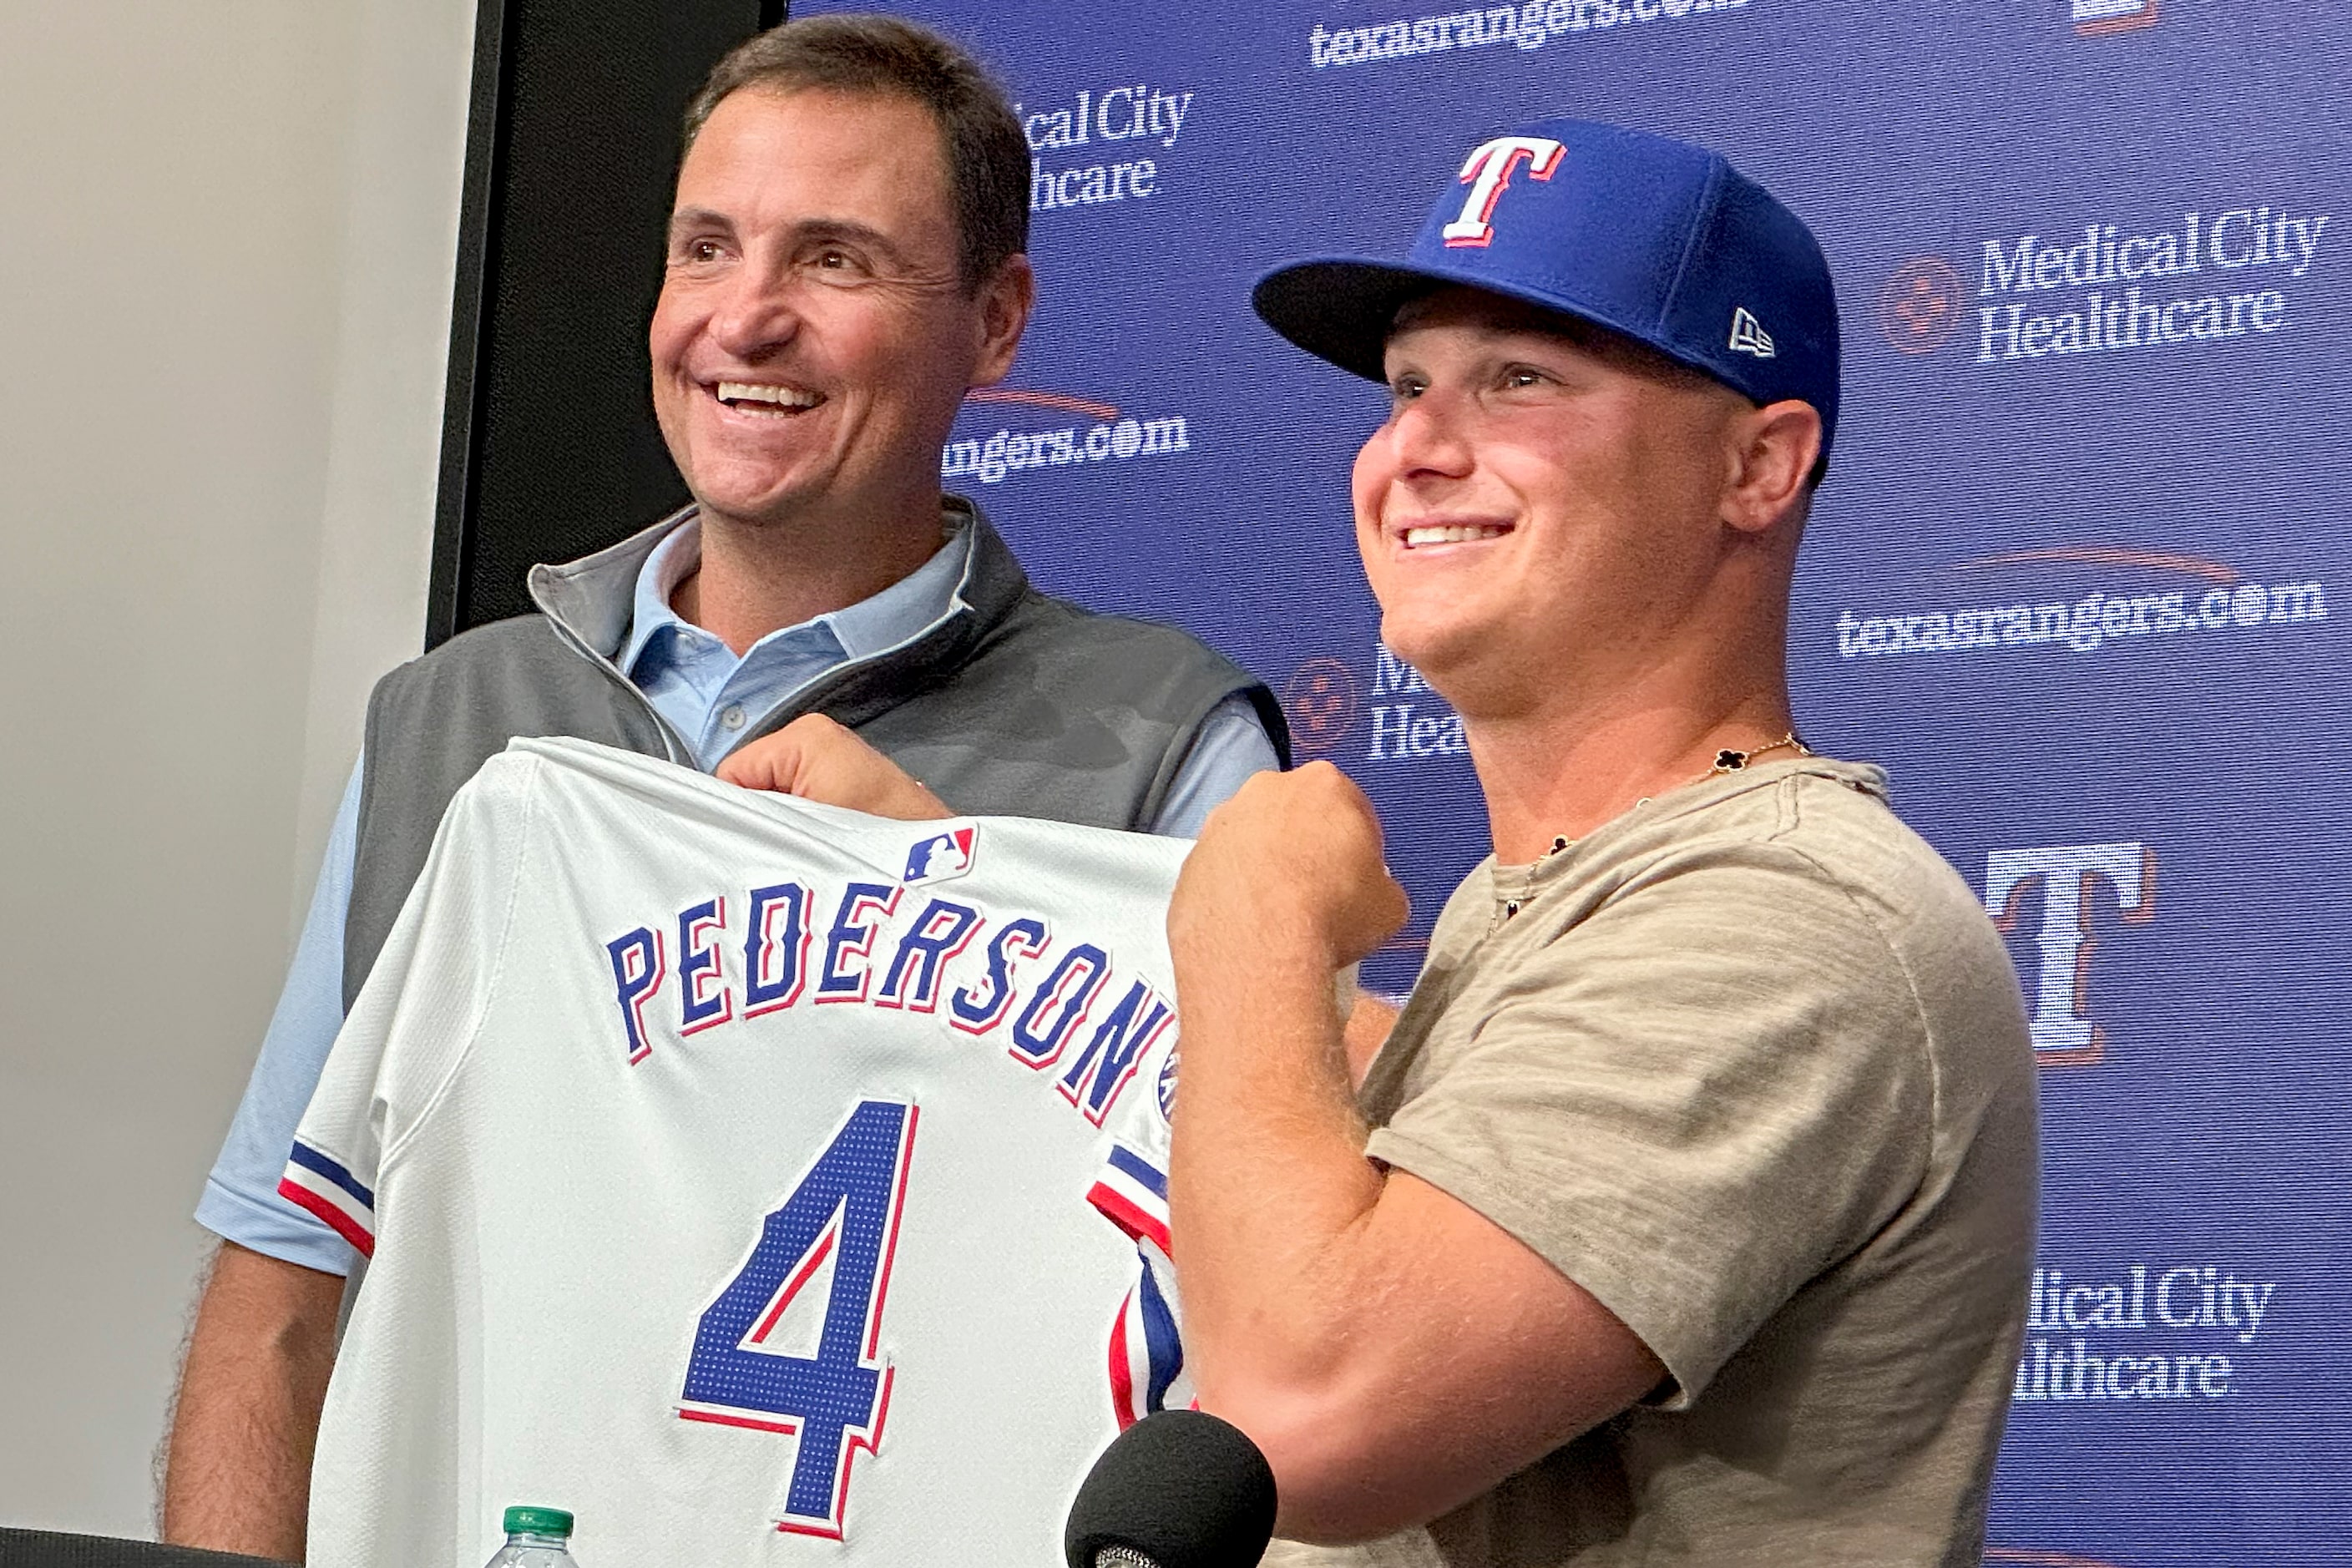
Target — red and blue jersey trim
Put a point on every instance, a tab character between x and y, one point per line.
1145	1355
320	1186
1132	1194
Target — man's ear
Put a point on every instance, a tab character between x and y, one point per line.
1773	449
1006	298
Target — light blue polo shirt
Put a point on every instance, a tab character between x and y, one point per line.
696	682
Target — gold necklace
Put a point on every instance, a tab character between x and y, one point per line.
1727	761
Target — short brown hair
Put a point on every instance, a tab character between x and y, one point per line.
986	153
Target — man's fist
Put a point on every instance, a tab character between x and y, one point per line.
819	760
1292	858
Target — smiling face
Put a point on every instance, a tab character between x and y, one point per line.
813	340
1543	508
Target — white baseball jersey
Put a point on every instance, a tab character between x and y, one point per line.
767	1184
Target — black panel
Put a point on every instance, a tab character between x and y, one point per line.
549	446
54	1548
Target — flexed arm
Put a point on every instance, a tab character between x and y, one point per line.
1393	1350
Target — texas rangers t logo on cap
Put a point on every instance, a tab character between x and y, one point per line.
939	857
1488	172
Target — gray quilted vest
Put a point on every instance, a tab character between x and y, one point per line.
1016	704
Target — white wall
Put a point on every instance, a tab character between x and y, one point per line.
227	239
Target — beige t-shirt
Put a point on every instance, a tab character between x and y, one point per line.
1749	1065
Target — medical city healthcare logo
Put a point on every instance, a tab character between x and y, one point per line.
1409	722
1921	305
2176	1329
1403	720
2199	277
1319	700
1041	434
1102	144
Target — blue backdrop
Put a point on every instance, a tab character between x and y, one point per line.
2069	580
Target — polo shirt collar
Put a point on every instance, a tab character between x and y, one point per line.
615	599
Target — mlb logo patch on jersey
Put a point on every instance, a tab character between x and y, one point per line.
939	857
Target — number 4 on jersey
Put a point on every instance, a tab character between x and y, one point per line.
845	1211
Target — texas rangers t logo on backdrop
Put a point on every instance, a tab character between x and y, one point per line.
1487	172
939	857
2068	874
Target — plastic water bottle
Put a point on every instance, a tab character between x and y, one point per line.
536	1538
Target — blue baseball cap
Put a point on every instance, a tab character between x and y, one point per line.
1653	239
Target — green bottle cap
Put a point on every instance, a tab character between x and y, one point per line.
537	1521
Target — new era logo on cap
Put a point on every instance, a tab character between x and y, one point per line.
1749	336
939	857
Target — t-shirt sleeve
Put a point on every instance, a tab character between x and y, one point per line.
1691	1102
424	1002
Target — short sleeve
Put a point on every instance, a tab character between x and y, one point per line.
1691	1101
241	1202
423	1001
1230	746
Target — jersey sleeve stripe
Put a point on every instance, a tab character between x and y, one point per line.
322	1188
1139	1170
1164	1351
1120	1206
1132	1194
310	1159
327	1208
1122	1367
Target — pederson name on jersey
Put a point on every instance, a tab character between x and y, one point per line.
1059	1004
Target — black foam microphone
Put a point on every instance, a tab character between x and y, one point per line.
1178	1490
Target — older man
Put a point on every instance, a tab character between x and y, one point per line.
843	263
1683	1216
